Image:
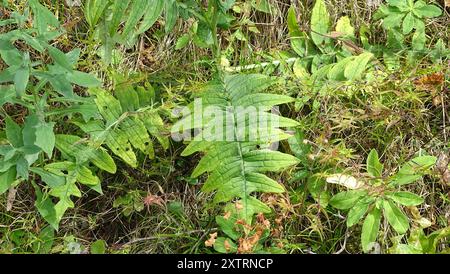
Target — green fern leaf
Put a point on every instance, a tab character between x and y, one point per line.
127	123
236	167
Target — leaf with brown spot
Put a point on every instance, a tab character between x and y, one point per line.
212	239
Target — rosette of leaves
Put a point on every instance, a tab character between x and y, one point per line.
236	146
126	121
378	196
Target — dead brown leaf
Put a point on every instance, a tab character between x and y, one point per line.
151	199
212	239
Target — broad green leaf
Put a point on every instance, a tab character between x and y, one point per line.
137	10
396	218
347	199
374	166
357	66
45	138
73	146
182	41
7	178
118	9
344	27
83	79
298	38
60	58
43	19
64	194
419	39
413	170
225	245
98	247
170	14
153	11
337	72
21	78
429	11
299	146
46	207
393	20
406	198
14	133
44	242
320	23
358	210
408	23
370	229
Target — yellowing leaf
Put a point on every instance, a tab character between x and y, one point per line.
345	180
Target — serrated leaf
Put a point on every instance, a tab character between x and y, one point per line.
74	147
60	58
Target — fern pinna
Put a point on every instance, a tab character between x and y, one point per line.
236	142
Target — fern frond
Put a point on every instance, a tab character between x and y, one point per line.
236	167
128	122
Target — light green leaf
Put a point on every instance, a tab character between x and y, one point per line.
429	11
153	11
320	23
347	199
357	66
413	170
21	79
358	210
182	41
370	229
406	198
45	138
396	218
374	166
343	26
7	178
60	58
14	133
408	23
83	79
170	14
98	247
